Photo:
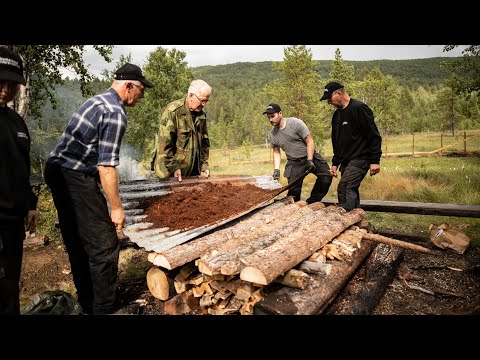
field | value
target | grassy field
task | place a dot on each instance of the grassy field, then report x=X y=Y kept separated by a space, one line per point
x=437 y=179
x=400 y=144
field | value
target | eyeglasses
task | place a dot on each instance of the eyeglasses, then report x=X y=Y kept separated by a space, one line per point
x=142 y=88
x=202 y=101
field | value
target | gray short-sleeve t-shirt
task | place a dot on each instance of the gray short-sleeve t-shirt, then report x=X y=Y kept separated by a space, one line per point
x=291 y=139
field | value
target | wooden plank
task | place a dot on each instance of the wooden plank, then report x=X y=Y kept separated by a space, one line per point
x=403 y=207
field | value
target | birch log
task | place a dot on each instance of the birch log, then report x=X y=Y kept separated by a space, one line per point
x=263 y=266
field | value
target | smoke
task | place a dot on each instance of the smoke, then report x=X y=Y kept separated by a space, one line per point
x=129 y=168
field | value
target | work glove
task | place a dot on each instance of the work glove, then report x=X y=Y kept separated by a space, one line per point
x=311 y=166
x=276 y=174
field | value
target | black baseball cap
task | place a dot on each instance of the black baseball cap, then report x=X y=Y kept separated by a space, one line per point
x=132 y=72
x=11 y=66
x=329 y=89
x=272 y=108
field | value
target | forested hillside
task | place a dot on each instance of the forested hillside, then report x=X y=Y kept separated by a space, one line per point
x=412 y=73
x=405 y=95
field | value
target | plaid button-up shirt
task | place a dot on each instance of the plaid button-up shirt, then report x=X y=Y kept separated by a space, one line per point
x=93 y=135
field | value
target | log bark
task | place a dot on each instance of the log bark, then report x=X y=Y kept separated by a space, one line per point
x=263 y=266
x=398 y=243
x=361 y=296
x=227 y=259
x=157 y=283
x=184 y=253
x=320 y=291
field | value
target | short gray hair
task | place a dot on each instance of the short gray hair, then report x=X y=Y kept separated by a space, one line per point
x=196 y=86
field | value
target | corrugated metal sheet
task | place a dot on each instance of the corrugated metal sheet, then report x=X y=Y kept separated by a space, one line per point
x=160 y=239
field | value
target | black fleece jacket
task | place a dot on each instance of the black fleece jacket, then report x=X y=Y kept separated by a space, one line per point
x=355 y=135
x=16 y=194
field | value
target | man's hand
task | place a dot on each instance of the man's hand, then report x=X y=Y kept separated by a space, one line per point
x=333 y=171
x=178 y=174
x=311 y=166
x=31 y=221
x=276 y=174
x=374 y=169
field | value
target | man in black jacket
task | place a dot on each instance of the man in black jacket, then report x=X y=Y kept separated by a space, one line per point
x=17 y=200
x=357 y=144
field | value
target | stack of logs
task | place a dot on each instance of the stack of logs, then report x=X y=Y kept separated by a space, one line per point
x=229 y=270
x=232 y=265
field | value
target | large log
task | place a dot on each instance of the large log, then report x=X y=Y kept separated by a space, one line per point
x=184 y=253
x=361 y=296
x=321 y=289
x=157 y=283
x=227 y=259
x=263 y=266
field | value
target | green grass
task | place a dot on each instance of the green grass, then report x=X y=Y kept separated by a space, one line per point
x=454 y=180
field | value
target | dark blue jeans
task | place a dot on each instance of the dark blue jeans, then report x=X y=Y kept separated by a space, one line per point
x=352 y=176
x=89 y=236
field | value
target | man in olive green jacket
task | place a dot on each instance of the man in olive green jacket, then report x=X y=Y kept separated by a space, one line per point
x=183 y=147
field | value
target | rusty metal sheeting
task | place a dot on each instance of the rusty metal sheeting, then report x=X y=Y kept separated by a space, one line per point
x=161 y=239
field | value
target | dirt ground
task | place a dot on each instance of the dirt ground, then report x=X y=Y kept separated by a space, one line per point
x=46 y=267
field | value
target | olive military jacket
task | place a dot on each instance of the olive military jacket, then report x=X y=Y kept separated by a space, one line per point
x=180 y=140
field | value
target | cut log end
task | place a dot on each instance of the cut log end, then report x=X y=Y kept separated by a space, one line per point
x=157 y=283
x=253 y=275
x=162 y=261
x=204 y=269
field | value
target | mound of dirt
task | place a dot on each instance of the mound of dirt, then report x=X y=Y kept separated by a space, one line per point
x=203 y=204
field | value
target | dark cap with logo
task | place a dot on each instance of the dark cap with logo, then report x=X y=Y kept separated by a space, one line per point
x=329 y=89
x=11 y=66
x=272 y=108
x=132 y=72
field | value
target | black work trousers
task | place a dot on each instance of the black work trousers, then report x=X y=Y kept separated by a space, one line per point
x=89 y=236
x=348 y=187
x=11 y=252
x=295 y=168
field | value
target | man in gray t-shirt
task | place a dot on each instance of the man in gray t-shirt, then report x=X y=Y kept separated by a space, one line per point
x=293 y=137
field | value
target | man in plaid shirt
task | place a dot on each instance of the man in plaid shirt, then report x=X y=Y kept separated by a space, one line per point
x=87 y=154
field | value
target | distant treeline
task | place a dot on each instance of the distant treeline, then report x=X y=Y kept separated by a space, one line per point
x=410 y=73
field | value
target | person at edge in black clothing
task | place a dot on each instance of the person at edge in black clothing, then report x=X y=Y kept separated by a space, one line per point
x=17 y=199
x=357 y=144
x=293 y=136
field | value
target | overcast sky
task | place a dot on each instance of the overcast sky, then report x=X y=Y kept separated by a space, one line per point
x=199 y=55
